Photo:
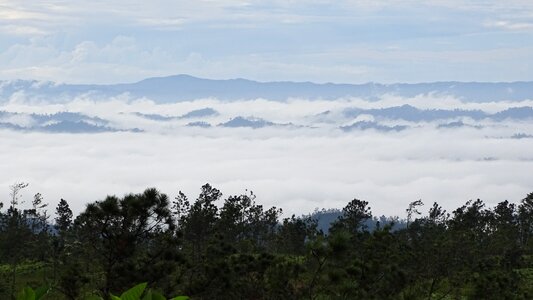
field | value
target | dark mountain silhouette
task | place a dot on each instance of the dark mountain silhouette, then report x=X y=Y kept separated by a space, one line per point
x=525 y=112
x=200 y=113
x=364 y=125
x=155 y=117
x=184 y=87
x=4 y=125
x=247 y=122
x=457 y=124
x=75 y=127
x=199 y=124
x=409 y=113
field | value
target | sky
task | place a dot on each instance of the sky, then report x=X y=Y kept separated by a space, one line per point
x=106 y=42
x=103 y=41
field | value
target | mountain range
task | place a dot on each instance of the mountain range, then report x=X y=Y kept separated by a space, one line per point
x=178 y=88
x=347 y=119
x=184 y=87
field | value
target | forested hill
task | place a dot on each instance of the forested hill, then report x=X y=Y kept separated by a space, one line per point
x=184 y=87
x=217 y=247
x=325 y=218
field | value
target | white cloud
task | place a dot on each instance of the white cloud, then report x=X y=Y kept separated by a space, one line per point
x=296 y=169
x=22 y=30
x=295 y=173
x=509 y=25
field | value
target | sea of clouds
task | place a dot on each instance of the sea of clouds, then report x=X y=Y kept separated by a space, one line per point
x=304 y=162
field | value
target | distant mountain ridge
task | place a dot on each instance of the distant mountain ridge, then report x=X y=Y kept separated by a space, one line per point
x=184 y=87
x=389 y=119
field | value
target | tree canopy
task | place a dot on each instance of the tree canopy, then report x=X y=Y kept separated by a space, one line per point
x=232 y=247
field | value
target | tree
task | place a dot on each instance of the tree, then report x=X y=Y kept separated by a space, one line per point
x=16 y=233
x=504 y=230
x=131 y=238
x=525 y=219
x=199 y=224
x=293 y=233
x=425 y=252
x=413 y=210
x=63 y=216
x=353 y=216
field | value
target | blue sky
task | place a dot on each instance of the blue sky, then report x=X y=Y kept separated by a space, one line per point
x=322 y=41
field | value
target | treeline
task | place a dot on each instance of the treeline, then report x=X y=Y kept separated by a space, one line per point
x=234 y=248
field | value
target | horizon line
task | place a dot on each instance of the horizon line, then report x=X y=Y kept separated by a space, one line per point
x=271 y=81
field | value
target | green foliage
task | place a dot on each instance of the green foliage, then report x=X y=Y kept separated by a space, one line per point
x=153 y=296
x=131 y=238
x=28 y=293
x=137 y=292
x=64 y=216
x=134 y=293
x=234 y=248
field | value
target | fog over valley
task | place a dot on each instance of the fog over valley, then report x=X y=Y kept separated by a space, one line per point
x=297 y=153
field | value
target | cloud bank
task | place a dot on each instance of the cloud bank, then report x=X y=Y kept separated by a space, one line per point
x=310 y=164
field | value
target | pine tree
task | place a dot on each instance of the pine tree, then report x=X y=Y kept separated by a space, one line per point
x=64 y=216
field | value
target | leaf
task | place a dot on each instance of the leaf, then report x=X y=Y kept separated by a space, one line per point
x=27 y=293
x=180 y=298
x=134 y=293
x=41 y=291
x=152 y=295
x=157 y=296
x=113 y=297
x=148 y=295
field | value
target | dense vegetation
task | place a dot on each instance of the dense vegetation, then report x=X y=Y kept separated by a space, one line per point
x=234 y=248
